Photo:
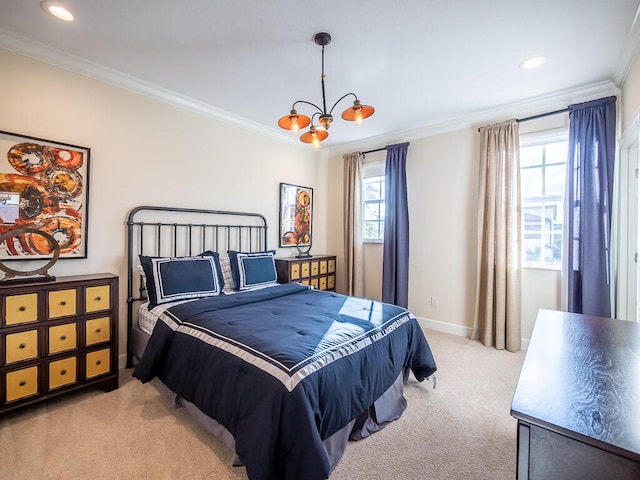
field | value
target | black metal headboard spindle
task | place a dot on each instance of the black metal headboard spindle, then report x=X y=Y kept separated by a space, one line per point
x=150 y=229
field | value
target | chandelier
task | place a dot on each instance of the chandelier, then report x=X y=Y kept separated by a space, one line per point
x=296 y=121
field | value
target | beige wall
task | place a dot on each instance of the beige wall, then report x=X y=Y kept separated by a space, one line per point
x=147 y=152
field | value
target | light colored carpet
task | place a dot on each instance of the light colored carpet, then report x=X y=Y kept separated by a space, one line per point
x=460 y=430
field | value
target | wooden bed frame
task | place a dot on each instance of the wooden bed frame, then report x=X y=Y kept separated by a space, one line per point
x=174 y=231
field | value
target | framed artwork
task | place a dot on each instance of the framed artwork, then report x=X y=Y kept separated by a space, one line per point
x=296 y=213
x=44 y=187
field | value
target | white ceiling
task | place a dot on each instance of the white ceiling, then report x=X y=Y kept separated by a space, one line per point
x=420 y=63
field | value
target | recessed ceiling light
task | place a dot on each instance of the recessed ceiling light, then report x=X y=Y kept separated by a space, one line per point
x=57 y=10
x=533 y=62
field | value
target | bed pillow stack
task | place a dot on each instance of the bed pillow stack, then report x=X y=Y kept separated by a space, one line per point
x=169 y=279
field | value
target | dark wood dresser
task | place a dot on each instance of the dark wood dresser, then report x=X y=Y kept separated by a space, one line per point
x=57 y=336
x=578 y=399
x=319 y=271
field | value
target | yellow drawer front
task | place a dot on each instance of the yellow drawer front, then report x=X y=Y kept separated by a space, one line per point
x=305 y=282
x=314 y=268
x=331 y=282
x=62 y=337
x=62 y=372
x=98 y=330
x=97 y=298
x=305 y=269
x=314 y=282
x=323 y=283
x=332 y=266
x=323 y=266
x=62 y=303
x=21 y=308
x=22 y=346
x=98 y=362
x=22 y=383
x=295 y=271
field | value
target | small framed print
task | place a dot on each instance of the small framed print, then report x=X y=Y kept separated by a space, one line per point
x=44 y=186
x=296 y=214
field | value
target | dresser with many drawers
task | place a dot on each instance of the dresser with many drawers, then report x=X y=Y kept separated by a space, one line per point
x=318 y=271
x=57 y=336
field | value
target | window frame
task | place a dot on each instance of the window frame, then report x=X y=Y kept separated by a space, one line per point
x=544 y=137
x=381 y=202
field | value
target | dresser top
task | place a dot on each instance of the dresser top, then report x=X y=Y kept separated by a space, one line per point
x=30 y=282
x=581 y=378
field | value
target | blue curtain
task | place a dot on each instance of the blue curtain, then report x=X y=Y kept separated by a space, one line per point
x=395 y=263
x=589 y=190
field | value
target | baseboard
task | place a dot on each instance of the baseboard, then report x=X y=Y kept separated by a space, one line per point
x=458 y=330
x=444 y=327
x=122 y=361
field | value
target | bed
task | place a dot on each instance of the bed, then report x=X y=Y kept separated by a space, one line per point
x=285 y=374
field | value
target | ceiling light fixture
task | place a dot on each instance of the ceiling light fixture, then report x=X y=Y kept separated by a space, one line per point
x=57 y=10
x=296 y=121
x=533 y=62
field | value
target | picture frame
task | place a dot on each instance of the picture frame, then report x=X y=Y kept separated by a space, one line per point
x=296 y=216
x=44 y=187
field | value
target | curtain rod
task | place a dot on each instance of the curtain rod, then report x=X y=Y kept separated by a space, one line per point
x=374 y=150
x=542 y=115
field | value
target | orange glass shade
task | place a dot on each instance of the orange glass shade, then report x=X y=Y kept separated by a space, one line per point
x=314 y=136
x=288 y=121
x=358 y=112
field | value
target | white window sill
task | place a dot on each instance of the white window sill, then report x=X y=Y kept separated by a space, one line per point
x=542 y=266
x=373 y=241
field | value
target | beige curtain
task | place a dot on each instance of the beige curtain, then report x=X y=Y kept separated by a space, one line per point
x=497 y=314
x=353 y=224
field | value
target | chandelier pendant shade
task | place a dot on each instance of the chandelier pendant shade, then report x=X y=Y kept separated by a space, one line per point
x=295 y=121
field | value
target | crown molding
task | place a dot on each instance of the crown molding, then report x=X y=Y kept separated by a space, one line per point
x=57 y=58
x=535 y=106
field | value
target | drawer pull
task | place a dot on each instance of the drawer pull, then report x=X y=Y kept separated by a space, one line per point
x=22 y=308
x=63 y=303
x=63 y=372
x=98 y=330
x=63 y=337
x=22 y=346
x=98 y=299
x=22 y=383
x=98 y=362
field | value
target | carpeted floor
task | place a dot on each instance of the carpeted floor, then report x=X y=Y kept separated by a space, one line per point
x=460 y=430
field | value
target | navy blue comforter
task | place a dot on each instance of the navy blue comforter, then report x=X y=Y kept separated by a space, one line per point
x=284 y=368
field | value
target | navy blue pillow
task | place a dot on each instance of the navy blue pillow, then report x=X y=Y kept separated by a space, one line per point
x=253 y=270
x=169 y=279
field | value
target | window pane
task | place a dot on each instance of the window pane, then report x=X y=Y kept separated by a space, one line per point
x=371 y=230
x=372 y=191
x=371 y=211
x=531 y=182
x=555 y=178
x=530 y=155
x=532 y=219
x=532 y=250
x=556 y=152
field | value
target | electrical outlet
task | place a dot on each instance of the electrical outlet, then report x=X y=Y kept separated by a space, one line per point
x=434 y=301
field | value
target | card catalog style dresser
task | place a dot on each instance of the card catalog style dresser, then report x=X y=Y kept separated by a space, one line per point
x=57 y=336
x=318 y=271
x=578 y=399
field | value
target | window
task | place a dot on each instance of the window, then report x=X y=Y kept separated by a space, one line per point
x=542 y=170
x=373 y=209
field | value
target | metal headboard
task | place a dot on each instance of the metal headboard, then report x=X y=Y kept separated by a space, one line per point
x=175 y=232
